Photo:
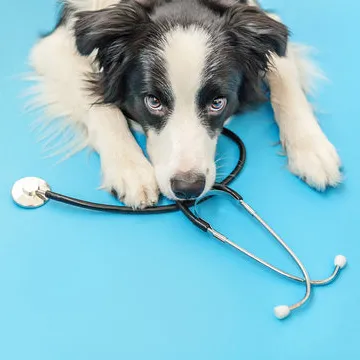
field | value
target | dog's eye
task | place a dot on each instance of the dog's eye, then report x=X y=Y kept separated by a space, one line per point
x=153 y=103
x=218 y=105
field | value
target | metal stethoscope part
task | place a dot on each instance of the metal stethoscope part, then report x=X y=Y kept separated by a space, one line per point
x=30 y=192
x=281 y=311
x=34 y=192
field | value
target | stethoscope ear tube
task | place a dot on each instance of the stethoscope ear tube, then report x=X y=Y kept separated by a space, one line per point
x=224 y=188
x=197 y=221
x=282 y=311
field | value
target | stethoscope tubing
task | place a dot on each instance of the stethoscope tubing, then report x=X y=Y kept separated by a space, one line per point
x=280 y=311
x=159 y=209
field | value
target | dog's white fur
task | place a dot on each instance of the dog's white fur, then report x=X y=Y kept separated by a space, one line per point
x=60 y=71
x=183 y=145
x=61 y=89
x=311 y=155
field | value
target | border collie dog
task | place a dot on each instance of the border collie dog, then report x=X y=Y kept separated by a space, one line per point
x=178 y=70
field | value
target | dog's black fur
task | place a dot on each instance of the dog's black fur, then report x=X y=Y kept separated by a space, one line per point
x=180 y=69
x=128 y=37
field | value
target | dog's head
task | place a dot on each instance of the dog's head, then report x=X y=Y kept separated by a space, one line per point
x=180 y=69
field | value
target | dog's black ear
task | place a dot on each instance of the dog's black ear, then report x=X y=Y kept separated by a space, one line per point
x=255 y=35
x=221 y=6
x=117 y=33
x=98 y=29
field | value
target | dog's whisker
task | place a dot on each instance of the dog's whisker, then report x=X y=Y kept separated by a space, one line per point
x=225 y=158
x=220 y=167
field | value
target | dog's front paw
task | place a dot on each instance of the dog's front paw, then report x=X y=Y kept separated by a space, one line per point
x=315 y=160
x=132 y=181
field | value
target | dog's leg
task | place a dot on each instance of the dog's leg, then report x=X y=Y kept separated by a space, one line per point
x=62 y=91
x=310 y=154
x=124 y=166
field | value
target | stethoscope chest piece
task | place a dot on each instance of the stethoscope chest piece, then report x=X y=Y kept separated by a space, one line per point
x=29 y=192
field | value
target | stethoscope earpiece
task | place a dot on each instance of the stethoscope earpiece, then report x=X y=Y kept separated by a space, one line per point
x=282 y=311
x=340 y=261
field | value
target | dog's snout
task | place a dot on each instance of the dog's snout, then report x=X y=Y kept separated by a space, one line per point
x=188 y=185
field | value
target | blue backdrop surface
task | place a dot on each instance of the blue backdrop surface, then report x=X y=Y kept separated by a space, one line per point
x=82 y=285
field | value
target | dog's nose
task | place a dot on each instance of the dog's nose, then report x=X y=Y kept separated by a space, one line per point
x=188 y=185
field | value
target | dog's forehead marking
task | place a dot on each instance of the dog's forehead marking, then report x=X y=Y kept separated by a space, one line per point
x=185 y=54
x=184 y=144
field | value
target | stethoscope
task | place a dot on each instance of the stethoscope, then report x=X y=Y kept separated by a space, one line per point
x=33 y=192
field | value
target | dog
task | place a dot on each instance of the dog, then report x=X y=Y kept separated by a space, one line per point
x=178 y=70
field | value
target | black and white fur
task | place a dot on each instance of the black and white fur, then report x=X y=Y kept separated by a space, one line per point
x=105 y=57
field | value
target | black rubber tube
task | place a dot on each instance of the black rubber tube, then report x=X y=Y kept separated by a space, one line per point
x=183 y=206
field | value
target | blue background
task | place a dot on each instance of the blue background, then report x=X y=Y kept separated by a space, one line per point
x=81 y=285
